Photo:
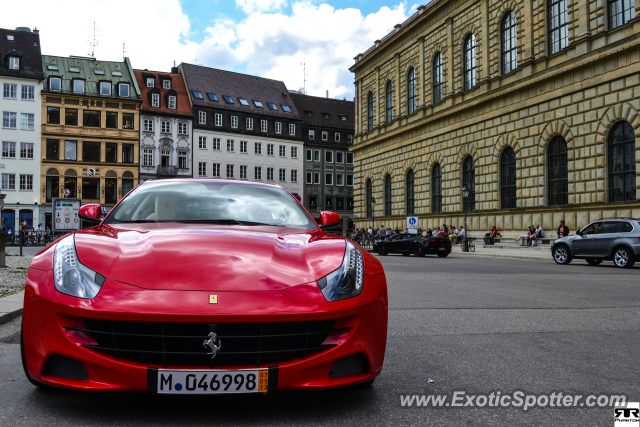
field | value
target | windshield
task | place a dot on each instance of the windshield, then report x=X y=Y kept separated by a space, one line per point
x=211 y=202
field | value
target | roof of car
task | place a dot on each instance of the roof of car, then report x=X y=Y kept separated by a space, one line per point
x=228 y=181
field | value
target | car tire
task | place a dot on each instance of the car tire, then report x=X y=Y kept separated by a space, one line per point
x=24 y=364
x=594 y=261
x=443 y=255
x=561 y=255
x=623 y=258
x=418 y=251
x=405 y=254
x=383 y=251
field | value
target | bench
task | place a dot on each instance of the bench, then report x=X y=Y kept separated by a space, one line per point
x=523 y=240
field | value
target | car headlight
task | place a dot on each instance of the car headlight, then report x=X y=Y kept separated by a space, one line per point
x=346 y=281
x=70 y=277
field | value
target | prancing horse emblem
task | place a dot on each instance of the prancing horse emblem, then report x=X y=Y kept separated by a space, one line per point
x=213 y=344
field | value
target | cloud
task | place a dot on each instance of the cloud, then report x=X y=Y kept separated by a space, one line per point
x=250 y=6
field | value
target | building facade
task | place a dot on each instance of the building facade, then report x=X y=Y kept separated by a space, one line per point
x=245 y=128
x=533 y=106
x=166 y=122
x=90 y=130
x=327 y=133
x=21 y=82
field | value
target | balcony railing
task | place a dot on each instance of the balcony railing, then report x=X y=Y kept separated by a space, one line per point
x=170 y=170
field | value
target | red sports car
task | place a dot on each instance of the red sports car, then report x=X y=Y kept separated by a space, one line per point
x=204 y=286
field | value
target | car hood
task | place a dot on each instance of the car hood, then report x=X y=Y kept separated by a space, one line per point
x=209 y=257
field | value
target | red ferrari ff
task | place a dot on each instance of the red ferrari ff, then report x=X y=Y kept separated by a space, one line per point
x=193 y=286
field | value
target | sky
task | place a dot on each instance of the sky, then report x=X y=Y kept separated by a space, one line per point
x=268 y=38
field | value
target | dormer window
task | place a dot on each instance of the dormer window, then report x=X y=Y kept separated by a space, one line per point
x=343 y=117
x=172 y=102
x=105 y=88
x=14 y=63
x=78 y=86
x=155 y=100
x=166 y=84
x=123 y=89
x=151 y=82
x=55 y=84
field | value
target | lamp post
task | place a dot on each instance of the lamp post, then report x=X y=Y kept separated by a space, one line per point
x=2 y=237
x=373 y=214
x=465 y=243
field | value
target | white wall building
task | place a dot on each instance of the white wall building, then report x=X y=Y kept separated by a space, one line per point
x=21 y=79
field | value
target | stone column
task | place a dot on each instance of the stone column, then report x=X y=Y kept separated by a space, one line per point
x=357 y=109
x=583 y=28
x=528 y=55
x=423 y=73
x=449 y=75
x=484 y=10
x=376 y=104
x=398 y=91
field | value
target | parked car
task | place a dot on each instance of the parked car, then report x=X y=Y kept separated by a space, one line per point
x=417 y=245
x=616 y=240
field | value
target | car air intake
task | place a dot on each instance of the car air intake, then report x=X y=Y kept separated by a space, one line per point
x=65 y=367
x=181 y=344
x=350 y=365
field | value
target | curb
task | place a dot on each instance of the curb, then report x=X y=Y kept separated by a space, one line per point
x=14 y=309
x=7 y=317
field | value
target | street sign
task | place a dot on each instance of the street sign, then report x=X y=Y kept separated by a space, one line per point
x=412 y=224
x=65 y=214
x=66 y=192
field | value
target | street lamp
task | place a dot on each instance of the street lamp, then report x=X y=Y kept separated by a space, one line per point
x=373 y=214
x=465 y=194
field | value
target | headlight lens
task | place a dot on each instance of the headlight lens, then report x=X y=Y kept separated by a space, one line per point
x=70 y=276
x=346 y=281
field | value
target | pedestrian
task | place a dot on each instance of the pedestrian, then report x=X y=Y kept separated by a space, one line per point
x=445 y=229
x=382 y=232
x=47 y=236
x=563 y=230
x=39 y=233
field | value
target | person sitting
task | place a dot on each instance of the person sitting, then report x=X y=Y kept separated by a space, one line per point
x=489 y=237
x=429 y=232
x=453 y=233
x=539 y=232
x=461 y=235
x=530 y=234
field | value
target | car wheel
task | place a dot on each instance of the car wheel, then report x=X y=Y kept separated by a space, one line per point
x=418 y=251
x=443 y=255
x=593 y=261
x=383 y=251
x=405 y=254
x=24 y=364
x=622 y=258
x=561 y=255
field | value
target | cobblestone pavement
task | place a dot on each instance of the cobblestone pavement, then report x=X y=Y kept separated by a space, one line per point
x=14 y=277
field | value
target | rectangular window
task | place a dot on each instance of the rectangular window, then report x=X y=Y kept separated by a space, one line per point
x=349 y=203
x=313 y=203
x=340 y=179
x=147 y=125
x=249 y=123
x=10 y=91
x=71 y=116
x=52 y=188
x=282 y=175
x=28 y=93
x=182 y=160
x=127 y=185
x=294 y=175
x=258 y=148
x=78 y=86
x=111 y=152
x=263 y=125
x=269 y=149
x=349 y=158
x=27 y=121
x=202 y=169
x=269 y=174
x=112 y=119
x=14 y=63
x=53 y=145
x=234 y=122
x=316 y=155
x=165 y=126
x=243 y=172
x=230 y=145
x=328 y=204
x=316 y=178
x=91 y=152
x=155 y=100
x=147 y=157
x=244 y=147
x=337 y=136
x=182 y=128
x=325 y=135
x=349 y=138
x=91 y=188
x=127 y=153
x=339 y=203
x=8 y=150
x=202 y=142
x=202 y=117
x=8 y=181
x=339 y=157
x=91 y=118
x=151 y=82
x=309 y=155
x=328 y=156
x=230 y=171
x=620 y=12
x=558 y=25
x=166 y=84
x=70 y=150
x=294 y=152
x=127 y=121
x=9 y=120
x=105 y=88
x=283 y=151
x=53 y=115
x=216 y=144
x=349 y=180
x=123 y=90
x=55 y=84
x=110 y=193
x=328 y=179
x=292 y=129
x=309 y=178
x=218 y=119
x=278 y=127
x=258 y=173
x=312 y=134
x=216 y=170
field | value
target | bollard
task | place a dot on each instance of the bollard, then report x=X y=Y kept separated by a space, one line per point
x=2 y=249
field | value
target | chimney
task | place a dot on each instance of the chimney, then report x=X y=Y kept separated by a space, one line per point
x=327 y=93
x=174 y=69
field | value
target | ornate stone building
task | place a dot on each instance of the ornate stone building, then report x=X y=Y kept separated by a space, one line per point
x=533 y=105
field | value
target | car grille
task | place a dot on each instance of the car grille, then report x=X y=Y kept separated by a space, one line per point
x=181 y=344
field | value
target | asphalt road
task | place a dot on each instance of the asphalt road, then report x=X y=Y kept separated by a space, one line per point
x=466 y=322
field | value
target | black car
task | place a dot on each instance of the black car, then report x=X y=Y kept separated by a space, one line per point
x=417 y=245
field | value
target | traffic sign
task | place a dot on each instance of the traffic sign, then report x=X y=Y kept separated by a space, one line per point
x=65 y=211
x=67 y=192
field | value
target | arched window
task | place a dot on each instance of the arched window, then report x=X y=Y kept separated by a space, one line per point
x=436 y=189
x=622 y=163
x=369 y=199
x=387 y=195
x=410 y=193
x=558 y=192
x=437 y=78
x=370 y=112
x=469 y=179
x=470 y=62
x=508 y=179
x=411 y=91
x=389 y=102
x=558 y=25
x=509 y=43
x=620 y=12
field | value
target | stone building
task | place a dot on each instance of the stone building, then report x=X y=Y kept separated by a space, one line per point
x=90 y=130
x=533 y=105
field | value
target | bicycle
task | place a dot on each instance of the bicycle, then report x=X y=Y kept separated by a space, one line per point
x=470 y=245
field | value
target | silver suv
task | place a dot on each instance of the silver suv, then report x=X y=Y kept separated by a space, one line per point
x=616 y=240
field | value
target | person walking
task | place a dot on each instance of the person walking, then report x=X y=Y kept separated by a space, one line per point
x=382 y=233
x=39 y=233
x=563 y=230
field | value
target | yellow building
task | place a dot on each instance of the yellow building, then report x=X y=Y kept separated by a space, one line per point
x=533 y=105
x=90 y=130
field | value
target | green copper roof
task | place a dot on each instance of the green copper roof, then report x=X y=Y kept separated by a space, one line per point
x=92 y=71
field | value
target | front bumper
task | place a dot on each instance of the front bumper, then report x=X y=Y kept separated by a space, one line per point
x=47 y=312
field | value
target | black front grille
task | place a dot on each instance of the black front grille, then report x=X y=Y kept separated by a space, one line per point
x=171 y=344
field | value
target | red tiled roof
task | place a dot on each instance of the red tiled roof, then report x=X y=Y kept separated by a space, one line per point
x=177 y=85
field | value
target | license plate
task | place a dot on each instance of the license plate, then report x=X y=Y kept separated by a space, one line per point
x=442 y=249
x=208 y=381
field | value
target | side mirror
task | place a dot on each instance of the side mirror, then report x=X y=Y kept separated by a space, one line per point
x=328 y=219
x=90 y=213
x=579 y=232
